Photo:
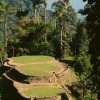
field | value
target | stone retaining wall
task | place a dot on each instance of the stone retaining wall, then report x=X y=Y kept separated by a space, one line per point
x=48 y=98
x=62 y=96
x=41 y=79
x=20 y=77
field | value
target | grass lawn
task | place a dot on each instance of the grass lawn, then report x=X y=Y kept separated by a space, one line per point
x=37 y=69
x=43 y=91
x=30 y=59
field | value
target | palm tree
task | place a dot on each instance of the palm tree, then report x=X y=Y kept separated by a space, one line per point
x=45 y=5
x=5 y=9
x=36 y=5
x=60 y=14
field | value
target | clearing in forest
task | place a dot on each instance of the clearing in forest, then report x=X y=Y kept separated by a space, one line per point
x=31 y=59
x=43 y=91
x=37 y=69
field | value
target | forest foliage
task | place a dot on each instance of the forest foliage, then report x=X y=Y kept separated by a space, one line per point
x=28 y=28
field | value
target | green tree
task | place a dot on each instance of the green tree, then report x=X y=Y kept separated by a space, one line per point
x=82 y=43
x=82 y=64
x=94 y=43
x=60 y=8
x=5 y=9
x=3 y=55
x=45 y=5
x=93 y=24
x=81 y=39
x=36 y=5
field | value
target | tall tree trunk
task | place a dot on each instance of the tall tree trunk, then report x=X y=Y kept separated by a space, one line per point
x=35 y=14
x=65 y=48
x=38 y=16
x=13 y=51
x=83 y=94
x=5 y=33
x=98 y=94
x=55 y=23
x=1 y=60
x=61 y=42
x=45 y=24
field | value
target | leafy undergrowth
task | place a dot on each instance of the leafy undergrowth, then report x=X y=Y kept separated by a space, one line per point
x=71 y=81
x=77 y=93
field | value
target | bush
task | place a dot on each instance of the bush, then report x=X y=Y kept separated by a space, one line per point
x=3 y=55
x=45 y=48
x=22 y=51
x=82 y=64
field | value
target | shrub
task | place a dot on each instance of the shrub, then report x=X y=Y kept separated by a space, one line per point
x=46 y=48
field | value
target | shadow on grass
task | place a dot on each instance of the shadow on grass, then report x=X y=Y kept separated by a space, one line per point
x=15 y=75
x=7 y=91
x=3 y=69
x=64 y=96
x=73 y=92
x=68 y=62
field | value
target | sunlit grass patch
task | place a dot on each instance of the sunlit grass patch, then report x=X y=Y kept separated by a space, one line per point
x=43 y=91
x=32 y=59
x=37 y=69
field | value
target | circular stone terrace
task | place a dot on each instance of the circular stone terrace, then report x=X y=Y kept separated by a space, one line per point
x=40 y=91
x=43 y=91
x=37 y=69
x=38 y=66
x=29 y=60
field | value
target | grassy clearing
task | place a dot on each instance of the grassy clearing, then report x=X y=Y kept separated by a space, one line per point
x=37 y=69
x=32 y=59
x=43 y=91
